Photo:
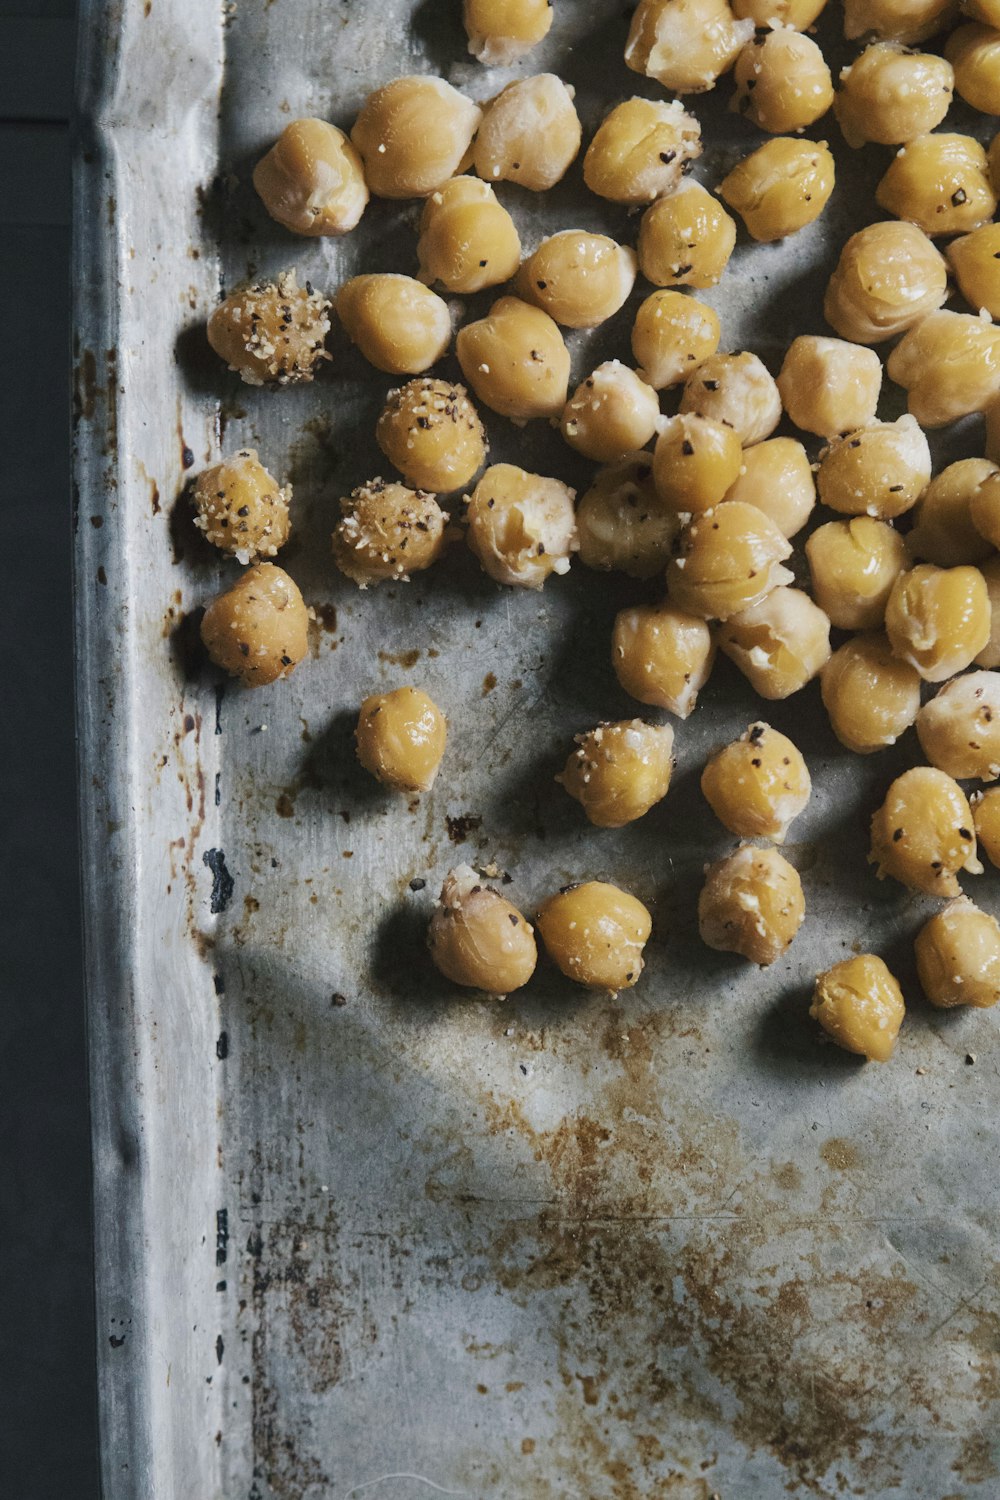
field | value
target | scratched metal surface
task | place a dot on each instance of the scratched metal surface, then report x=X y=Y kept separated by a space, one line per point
x=357 y=1233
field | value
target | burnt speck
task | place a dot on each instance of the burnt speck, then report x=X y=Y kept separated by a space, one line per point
x=222 y=1046
x=221 y=1236
x=220 y=1349
x=460 y=828
x=417 y=884
x=223 y=884
x=219 y=982
x=338 y=1000
x=116 y=1341
x=187 y=457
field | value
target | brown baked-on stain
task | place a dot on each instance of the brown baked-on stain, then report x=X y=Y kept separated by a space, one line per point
x=839 y=1154
x=459 y=828
x=489 y=683
x=326 y=617
x=284 y=806
x=788 y=1176
x=400 y=658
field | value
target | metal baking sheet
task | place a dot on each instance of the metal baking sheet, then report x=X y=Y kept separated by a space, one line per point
x=359 y=1234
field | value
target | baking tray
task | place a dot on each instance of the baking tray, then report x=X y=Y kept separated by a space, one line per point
x=359 y=1234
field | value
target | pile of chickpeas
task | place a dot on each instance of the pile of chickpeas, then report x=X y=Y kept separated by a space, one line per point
x=706 y=494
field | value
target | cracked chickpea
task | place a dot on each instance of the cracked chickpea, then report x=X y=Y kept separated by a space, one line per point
x=685 y=238
x=400 y=326
x=779 y=644
x=730 y=558
x=467 y=238
x=989 y=656
x=611 y=413
x=879 y=471
x=413 y=134
x=922 y=835
x=975 y=262
x=959 y=728
x=890 y=96
x=400 y=738
x=516 y=361
x=622 y=525
x=958 y=956
x=579 y=279
x=640 y=150
x=595 y=934
x=939 y=181
x=738 y=391
x=695 y=462
x=974 y=52
x=478 y=939
x=949 y=366
x=870 y=696
x=938 y=619
x=859 y=1005
x=853 y=566
x=502 y=31
x=776 y=477
x=521 y=526
x=906 y=21
x=751 y=904
x=684 y=44
x=986 y=814
x=888 y=277
x=758 y=785
x=312 y=180
x=662 y=656
x=829 y=386
x=273 y=332
x=673 y=335
x=430 y=431
x=387 y=531
x=258 y=629
x=944 y=530
x=781 y=187
x=529 y=134
x=782 y=82
x=240 y=508
x=619 y=771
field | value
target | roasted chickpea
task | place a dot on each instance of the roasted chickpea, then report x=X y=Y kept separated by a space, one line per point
x=974 y=52
x=695 y=463
x=516 y=361
x=990 y=654
x=938 y=619
x=595 y=934
x=829 y=386
x=622 y=523
x=980 y=480
x=501 y=31
x=993 y=163
x=991 y=412
x=860 y=1005
x=959 y=728
x=610 y=414
x=684 y=44
x=891 y=96
x=777 y=478
x=922 y=835
x=387 y=531
x=400 y=738
x=940 y=182
x=906 y=21
x=662 y=656
x=685 y=238
x=958 y=956
x=271 y=333
x=949 y=366
x=241 y=508
x=399 y=325
x=431 y=432
x=413 y=134
x=782 y=82
x=975 y=262
x=880 y=470
x=640 y=150
x=853 y=566
x=730 y=558
x=779 y=643
x=986 y=812
x=529 y=134
x=257 y=630
x=945 y=532
x=781 y=187
x=738 y=391
x=619 y=771
x=672 y=335
x=579 y=279
x=312 y=180
x=467 y=238
x=987 y=11
x=478 y=939
x=751 y=904
x=889 y=276
x=799 y=14
x=871 y=696
x=521 y=526
x=758 y=785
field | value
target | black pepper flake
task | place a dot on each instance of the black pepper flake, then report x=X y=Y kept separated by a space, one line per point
x=756 y=761
x=512 y=919
x=958 y=197
x=424 y=422
x=855 y=442
x=964 y=833
x=535 y=354
x=540 y=549
x=286 y=661
x=683 y=270
x=897 y=835
x=756 y=734
x=484 y=262
x=935 y=864
x=667 y=157
x=244 y=649
x=541 y=285
x=244 y=510
x=710 y=385
x=417 y=884
x=687 y=448
x=894 y=489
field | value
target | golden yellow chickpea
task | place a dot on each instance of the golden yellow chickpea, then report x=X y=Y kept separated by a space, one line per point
x=501 y=31
x=829 y=386
x=980 y=481
x=751 y=904
x=782 y=82
x=730 y=558
x=478 y=939
x=758 y=785
x=431 y=432
x=993 y=163
x=516 y=361
x=949 y=366
x=891 y=96
x=889 y=276
x=781 y=187
x=987 y=11
x=959 y=728
x=399 y=325
x=621 y=522
x=880 y=470
x=241 y=508
x=853 y=566
x=271 y=333
x=521 y=526
x=940 y=182
x=684 y=44
x=938 y=619
x=799 y=14
x=579 y=279
x=662 y=656
x=991 y=413
x=958 y=956
x=779 y=644
x=738 y=391
x=413 y=134
x=595 y=934
x=922 y=835
x=685 y=238
x=257 y=630
x=400 y=738
x=986 y=812
x=672 y=335
x=610 y=414
x=695 y=463
x=974 y=52
x=387 y=531
x=640 y=150
x=859 y=1004
x=467 y=238
x=975 y=263
x=871 y=697
x=990 y=654
x=777 y=478
x=619 y=771
x=529 y=134
x=906 y=21
x=944 y=531
x=312 y=180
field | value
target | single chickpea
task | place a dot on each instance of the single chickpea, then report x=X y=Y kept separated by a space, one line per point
x=478 y=939
x=987 y=11
x=529 y=134
x=684 y=44
x=945 y=531
x=595 y=934
x=467 y=238
x=621 y=522
x=958 y=956
x=257 y=630
x=799 y=14
x=860 y=1006
x=871 y=697
x=959 y=728
x=780 y=188
x=779 y=644
x=986 y=813
x=271 y=333
x=853 y=566
x=662 y=656
x=431 y=432
x=521 y=526
x=782 y=82
x=751 y=904
x=619 y=771
x=891 y=96
x=610 y=414
x=579 y=279
x=672 y=335
x=516 y=361
x=975 y=264
x=758 y=785
x=983 y=499
x=399 y=325
x=889 y=276
x=940 y=182
x=685 y=238
x=695 y=463
x=949 y=366
x=777 y=478
x=993 y=163
x=880 y=470
x=413 y=134
x=241 y=508
x=991 y=413
x=387 y=531
x=640 y=150
x=974 y=52
x=312 y=180
x=922 y=835
x=730 y=558
x=400 y=738
x=938 y=619
x=738 y=391
x=990 y=654
x=501 y=31
x=905 y=21
x=829 y=386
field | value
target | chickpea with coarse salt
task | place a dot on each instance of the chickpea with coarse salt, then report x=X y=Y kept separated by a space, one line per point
x=958 y=956
x=467 y=238
x=880 y=470
x=273 y=332
x=782 y=82
x=888 y=277
x=400 y=326
x=431 y=432
x=619 y=771
x=758 y=785
x=986 y=813
x=751 y=904
x=777 y=478
x=940 y=182
x=501 y=31
x=672 y=335
x=871 y=697
x=610 y=414
x=387 y=531
x=829 y=386
x=781 y=187
x=890 y=95
x=240 y=508
x=684 y=44
x=975 y=262
x=413 y=134
x=529 y=134
x=906 y=21
x=579 y=279
x=312 y=180
x=779 y=644
x=738 y=391
x=640 y=150
x=984 y=498
x=938 y=619
x=945 y=532
x=400 y=738
x=922 y=835
x=989 y=656
x=685 y=238
x=516 y=361
x=257 y=630
x=662 y=656
x=695 y=463
x=595 y=934
x=621 y=522
x=853 y=565
x=949 y=366
x=478 y=939
x=974 y=52
x=729 y=559
x=859 y=1005
x=959 y=728
x=521 y=526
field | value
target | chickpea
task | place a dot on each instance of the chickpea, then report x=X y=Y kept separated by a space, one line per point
x=945 y=531
x=974 y=52
x=986 y=812
x=413 y=134
x=871 y=696
x=529 y=134
x=949 y=366
x=799 y=14
x=662 y=656
x=938 y=619
x=975 y=263
x=959 y=728
x=640 y=150
x=853 y=566
x=889 y=276
x=829 y=386
x=695 y=463
x=990 y=654
x=779 y=644
x=621 y=522
x=312 y=180
x=516 y=361
x=738 y=391
x=880 y=470
x=521 y=526
x=387 y=531
x=860 y=1005
x=684 y=44
x=751 y=904
x=610 y=414
x=992 y=415
x=958 y=956
x=758 y=785
x=993 y=163
x=579 y=279
x=987 y=11
x=399 y=325
x=891 y=96
x=939 y=181
x=241 y=508
x=780 y=188
x=782 y=82
x=431 y=432
x=257 y=630
x=501 y=31
x=478 y=939
x=400 y=738
x=730 y=558
x=777 y=478
x=271 y=333
x=685 y=238
x=619 y=771
x=595 y=934
x=467 y=238
x=922 y=834
x=672 y=335
x=981 y=486
x=906 y=21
